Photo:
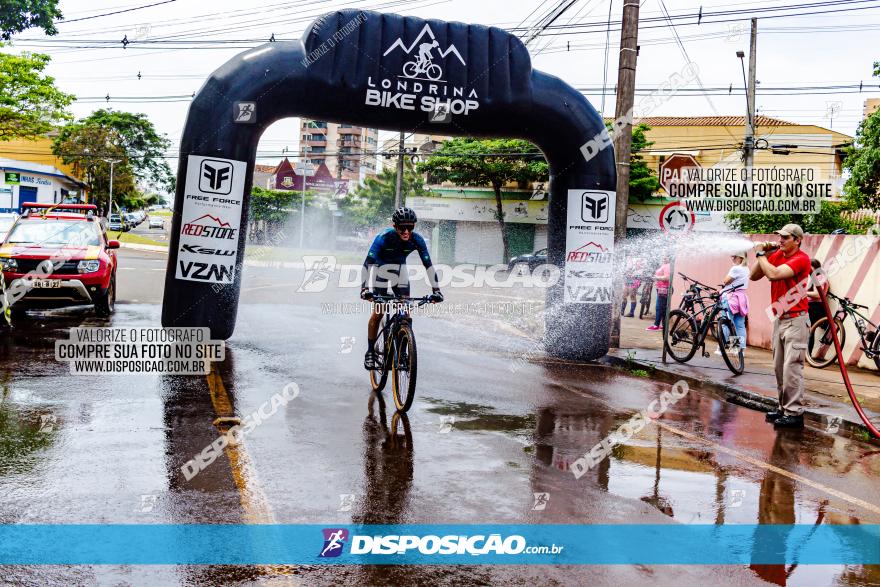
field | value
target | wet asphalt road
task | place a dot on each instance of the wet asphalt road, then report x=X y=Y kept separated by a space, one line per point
x=487 y=431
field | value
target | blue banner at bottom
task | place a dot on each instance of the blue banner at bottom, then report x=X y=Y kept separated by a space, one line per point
x=415 y=544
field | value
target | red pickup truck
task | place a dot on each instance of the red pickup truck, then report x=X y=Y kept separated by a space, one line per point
x=58 y=255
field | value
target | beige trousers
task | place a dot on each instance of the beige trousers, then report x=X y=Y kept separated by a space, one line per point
x=789 y=344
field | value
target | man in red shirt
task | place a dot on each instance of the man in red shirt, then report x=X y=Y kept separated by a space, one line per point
x=788 y=270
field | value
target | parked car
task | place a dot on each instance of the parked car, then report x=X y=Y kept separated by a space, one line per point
x=528 y=261
x=81 y=266
x=131 y=219
x=156 y=223
x=117 y=223
x=6 y=222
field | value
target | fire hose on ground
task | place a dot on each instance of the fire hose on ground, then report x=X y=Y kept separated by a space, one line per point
x=823 y=291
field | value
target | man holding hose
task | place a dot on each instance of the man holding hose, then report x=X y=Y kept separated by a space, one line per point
x=787 y=268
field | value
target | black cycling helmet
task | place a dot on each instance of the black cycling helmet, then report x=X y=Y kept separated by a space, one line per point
x=404 y=216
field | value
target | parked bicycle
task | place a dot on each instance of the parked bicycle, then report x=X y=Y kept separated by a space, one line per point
x=695 y=319
x=820 y=347
x=395 y=349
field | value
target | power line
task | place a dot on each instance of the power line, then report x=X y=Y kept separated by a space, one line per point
x=116 y=12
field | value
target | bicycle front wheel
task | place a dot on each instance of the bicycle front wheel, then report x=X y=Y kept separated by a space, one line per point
x=681 y=336
x=379 y=376
x=403 y=368
x=729 y=344
x=820 y=346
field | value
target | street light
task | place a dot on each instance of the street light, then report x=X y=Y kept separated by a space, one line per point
x=305 y=170
x=112 y=162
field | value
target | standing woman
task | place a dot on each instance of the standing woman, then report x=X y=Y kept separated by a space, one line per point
x=661 y=284
x=735 y=301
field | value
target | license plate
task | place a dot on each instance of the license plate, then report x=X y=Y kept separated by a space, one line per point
x=47 y=283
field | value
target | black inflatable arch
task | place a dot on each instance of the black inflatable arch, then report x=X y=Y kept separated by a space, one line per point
x=348 y=68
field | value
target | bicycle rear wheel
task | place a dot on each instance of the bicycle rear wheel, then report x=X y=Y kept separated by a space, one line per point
x=681 y=336
x=379 y=376
x=403 y=368
x=820 y=346
x=875 y=347
x=729 y=344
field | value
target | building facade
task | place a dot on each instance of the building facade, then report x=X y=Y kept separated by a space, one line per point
x=30 y=172
x=348 y=151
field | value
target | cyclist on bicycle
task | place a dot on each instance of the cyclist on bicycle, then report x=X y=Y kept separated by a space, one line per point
x=388 y=254
x=425 y=52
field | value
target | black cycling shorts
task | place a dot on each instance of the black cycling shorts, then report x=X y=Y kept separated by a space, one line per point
x=400 y=287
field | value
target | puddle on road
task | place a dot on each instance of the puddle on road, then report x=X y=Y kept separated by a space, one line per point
x=478 y=417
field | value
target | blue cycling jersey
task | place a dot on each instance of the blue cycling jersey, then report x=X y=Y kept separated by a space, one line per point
x=389 y=249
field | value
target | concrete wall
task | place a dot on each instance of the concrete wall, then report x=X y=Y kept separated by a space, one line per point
x=857 y=279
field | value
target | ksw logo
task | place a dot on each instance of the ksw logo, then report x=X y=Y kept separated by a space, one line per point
x=209 y=227
x=215 y=177
x=423 y=66
x=210 y=272
x=590 y=293
x=334 y=540
x=594 y=207
x=206 y=251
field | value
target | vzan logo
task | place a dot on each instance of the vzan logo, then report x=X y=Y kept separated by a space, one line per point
x=215 y=177
x=416 y=88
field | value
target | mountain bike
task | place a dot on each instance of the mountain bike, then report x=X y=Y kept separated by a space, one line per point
x=820 y=347
x=395 y=349
x=690 y=324
x=431 y=70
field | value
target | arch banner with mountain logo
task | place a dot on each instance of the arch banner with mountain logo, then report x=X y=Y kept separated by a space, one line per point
x=395 y=73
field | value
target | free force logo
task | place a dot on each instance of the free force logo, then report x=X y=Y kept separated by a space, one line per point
x=215 y=177
x=594 y=207
x=423 y=66
x=334 y=541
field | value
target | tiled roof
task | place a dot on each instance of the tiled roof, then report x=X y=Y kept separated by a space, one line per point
x=712 y=121
x=265 y=168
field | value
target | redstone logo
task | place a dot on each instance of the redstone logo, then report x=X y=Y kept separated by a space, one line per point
x=589 y=253
x=208 y=226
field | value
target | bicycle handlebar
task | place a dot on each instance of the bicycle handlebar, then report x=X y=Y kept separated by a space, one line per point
x=401 y=300
x=695 y=282
x=846 y=301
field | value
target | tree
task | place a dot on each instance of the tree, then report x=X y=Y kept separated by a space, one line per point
x=372 y=204
x=828 y=219
x=131 y=139
x=642 y=182
x=30 y=104
x=862 y=189
x=19 y=15
x=493 y=162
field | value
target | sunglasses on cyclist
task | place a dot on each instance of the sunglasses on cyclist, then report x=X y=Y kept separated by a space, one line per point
x=404 y=227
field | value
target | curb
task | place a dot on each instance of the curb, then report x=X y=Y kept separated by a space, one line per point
x=847 y=428
x=140 y=247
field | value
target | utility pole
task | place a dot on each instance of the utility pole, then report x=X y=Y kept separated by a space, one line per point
x=398 y=193
x=112 y=162
x=749 y=142
x=626 y=83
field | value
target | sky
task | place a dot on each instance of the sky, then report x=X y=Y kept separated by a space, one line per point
x=828 y=49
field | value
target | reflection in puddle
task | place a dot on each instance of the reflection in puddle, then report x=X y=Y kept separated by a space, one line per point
x=693 y=483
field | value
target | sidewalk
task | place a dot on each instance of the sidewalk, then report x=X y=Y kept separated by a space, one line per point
x=825 y=398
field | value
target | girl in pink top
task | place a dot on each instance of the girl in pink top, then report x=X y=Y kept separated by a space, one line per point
x=661 y=284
